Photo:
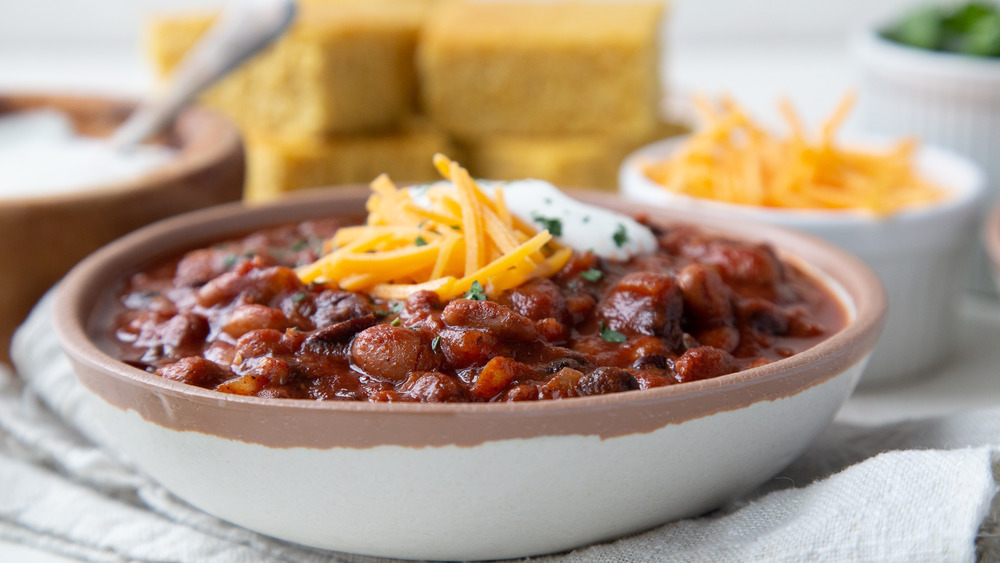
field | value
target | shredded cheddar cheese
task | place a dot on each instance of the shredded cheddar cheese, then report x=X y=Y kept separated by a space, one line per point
x=453 y=236
x=735 y=160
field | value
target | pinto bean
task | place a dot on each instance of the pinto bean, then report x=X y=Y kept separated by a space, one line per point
x=175 y=337
x=199 y=266
x=251 y=316
x=746 y=264
x=706 y=296
x=391 y=353
x=538 y=299
x=334 y=306
x=605 y=380
x=336 y=334
x=466 y=348
x=195 y=371
x=250 y=283
x=704 y=362
x=492 y=317
x=433 y=387
x=644 y=303
x=262 y=342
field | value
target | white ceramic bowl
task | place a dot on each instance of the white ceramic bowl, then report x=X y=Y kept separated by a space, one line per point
x=919 y=254
x=948 y=99
x=462 y=481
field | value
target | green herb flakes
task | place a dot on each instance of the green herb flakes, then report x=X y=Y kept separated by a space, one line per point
x=611 y=335
x=475 y=292
x=552 y=225
x=621 y=236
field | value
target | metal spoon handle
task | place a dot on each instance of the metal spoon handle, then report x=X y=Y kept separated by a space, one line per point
x=243 y=28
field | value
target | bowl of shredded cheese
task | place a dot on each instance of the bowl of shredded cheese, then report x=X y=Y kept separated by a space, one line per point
x=908 y=209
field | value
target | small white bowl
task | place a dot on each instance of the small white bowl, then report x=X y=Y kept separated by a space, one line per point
x=920 y=254
x=948 y=99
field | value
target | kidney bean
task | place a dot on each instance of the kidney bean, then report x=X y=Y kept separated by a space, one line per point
x=644 y=303
x=606 y=380
x=251 y=316
x=391 y=353
x=538 y=299
x=261 y=342
x=466 y=348
x=335 y=306
x=433 y=387
x=489 y=316
x=195 y=371
x=704 y=362
x=250 y=283
x=705 y=294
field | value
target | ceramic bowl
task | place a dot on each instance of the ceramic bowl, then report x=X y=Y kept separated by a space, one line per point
x=948 y=99
x=53 y=232
x=921 y=255
x=461 y=481
x=991 y=241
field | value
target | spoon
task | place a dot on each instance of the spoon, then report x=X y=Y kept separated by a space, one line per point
x=243 y=28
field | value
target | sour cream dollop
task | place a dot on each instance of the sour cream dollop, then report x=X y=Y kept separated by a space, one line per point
x=41 y=154
x=581 y=226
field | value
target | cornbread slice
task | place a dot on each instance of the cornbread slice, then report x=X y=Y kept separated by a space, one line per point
x=542 y=68
x=577 y=161
x=278 y=165
x=345 y=66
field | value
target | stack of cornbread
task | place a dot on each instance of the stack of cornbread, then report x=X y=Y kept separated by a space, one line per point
x=559 y=90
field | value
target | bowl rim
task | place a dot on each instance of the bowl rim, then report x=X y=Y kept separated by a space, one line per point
x=854 y=284
x=871 y=47
x=961 y=197
x=198 y=147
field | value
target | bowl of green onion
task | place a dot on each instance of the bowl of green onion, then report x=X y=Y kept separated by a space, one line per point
x=934 y=73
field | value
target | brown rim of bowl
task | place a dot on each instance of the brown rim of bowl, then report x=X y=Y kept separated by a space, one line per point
x=991 y=237
x=301 y=423
x=198 y=147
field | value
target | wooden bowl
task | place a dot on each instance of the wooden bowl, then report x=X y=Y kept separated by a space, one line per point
x=44 y=236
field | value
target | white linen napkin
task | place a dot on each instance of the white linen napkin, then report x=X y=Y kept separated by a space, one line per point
x=923 y=490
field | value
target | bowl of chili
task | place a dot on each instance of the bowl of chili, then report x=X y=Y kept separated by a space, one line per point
x=425 y=462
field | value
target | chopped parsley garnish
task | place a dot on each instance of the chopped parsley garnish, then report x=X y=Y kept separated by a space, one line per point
x=381 y=314
x=396 y=322
x=300 y=246
x=475 y=292
x=456 y=227
x=420 y=241
x=396 y=307
x=229 y=260
x=620 y=237
x=436 y=343
x=553 y=225
x=592 y=274
x=298 y=297
x=611 y=335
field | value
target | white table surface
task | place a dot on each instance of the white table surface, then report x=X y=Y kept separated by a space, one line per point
x=814 y=77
